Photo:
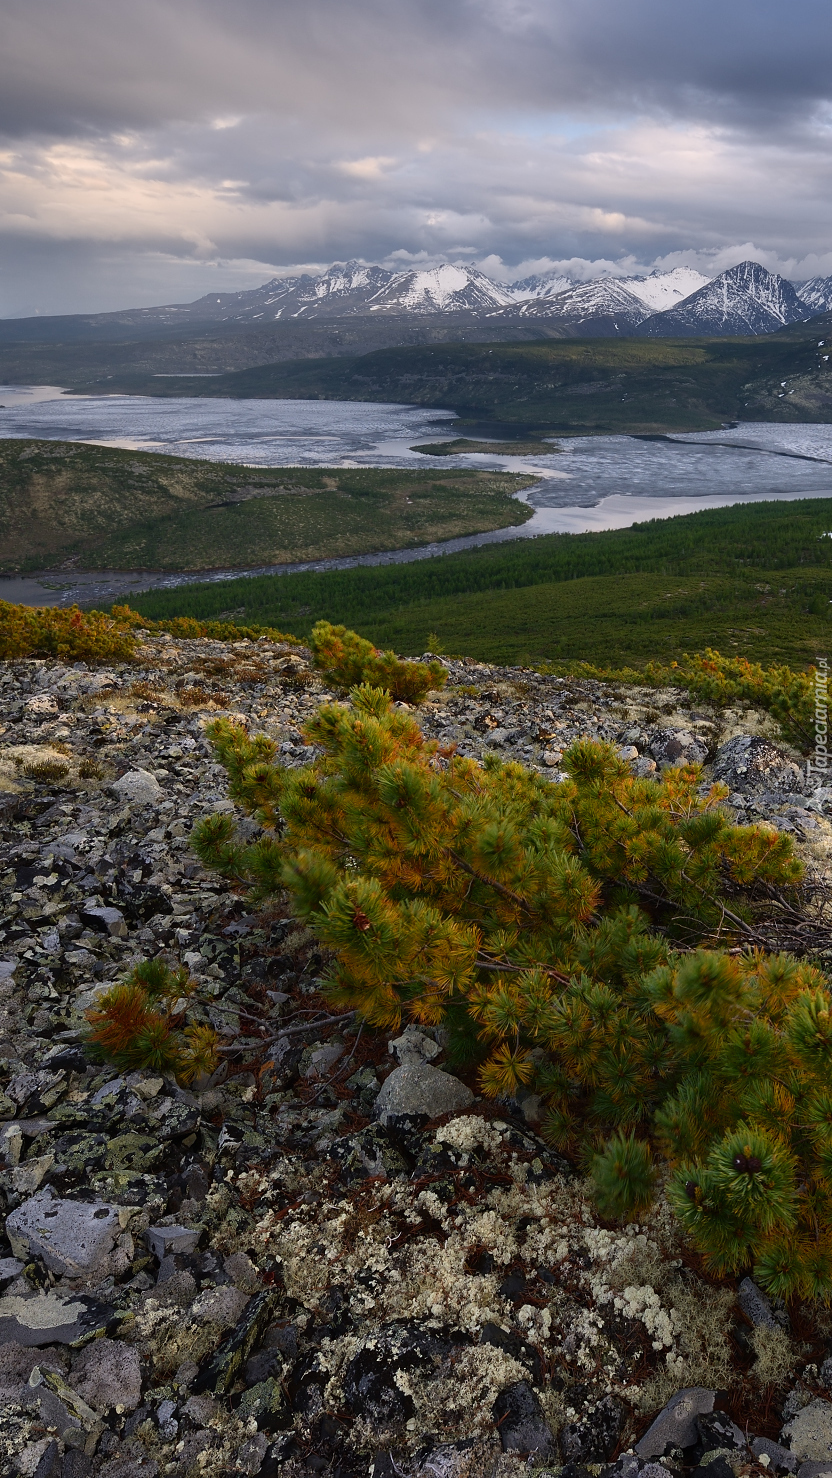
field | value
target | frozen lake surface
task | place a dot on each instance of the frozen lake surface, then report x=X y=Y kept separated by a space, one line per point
x=590 y=483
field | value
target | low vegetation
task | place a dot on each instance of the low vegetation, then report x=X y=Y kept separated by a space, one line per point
x=347 y=660
x=462 y=446
x=140 y=1023
x=567 y=385
x=68 y=633
x=64 y=504
x=601 y=941
x=752 y=581
x=95 y=636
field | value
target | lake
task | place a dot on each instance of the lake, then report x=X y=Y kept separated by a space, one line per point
x=587 y=482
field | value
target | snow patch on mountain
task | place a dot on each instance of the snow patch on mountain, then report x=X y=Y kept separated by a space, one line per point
x=662 y=290
x=446 y=289
x=817 y=293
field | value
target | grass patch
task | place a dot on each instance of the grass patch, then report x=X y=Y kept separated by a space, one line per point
x=64 y=504
x=754 y=580
x=462 y=446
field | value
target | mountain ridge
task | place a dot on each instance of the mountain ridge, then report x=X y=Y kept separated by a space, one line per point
x=744 y=299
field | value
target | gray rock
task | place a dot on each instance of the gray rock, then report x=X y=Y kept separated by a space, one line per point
x=779 y=1457
x=816 y=1469
x=643 y=767
x=677 y=747
x=675 y=1425
x=757 y=1307
x=417 y=1092
x=138 y=787
x=10 y=1268
x=222 y=1370
x=58 y=1405
x=755 y=1304
x=748 y=764
x=323 y=1059
x=593 y=1438
x=242 y=1272
x=72 y=1237
x=521 y=1423
x=825 y=1372
x=630 y=1466
x=51 y=1464
x=164 y=1241
x=107 y=1375
x=809 y=1433
x=222 y=1306
x=414 y=1046
x=104 y=920
x=52 y=1318
x=719 y=1434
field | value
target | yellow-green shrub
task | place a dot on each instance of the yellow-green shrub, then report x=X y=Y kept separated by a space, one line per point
x=63 y=632
x=558 y=929
x=347 y=660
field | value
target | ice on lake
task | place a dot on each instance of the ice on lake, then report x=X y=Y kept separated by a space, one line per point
x=587 y=482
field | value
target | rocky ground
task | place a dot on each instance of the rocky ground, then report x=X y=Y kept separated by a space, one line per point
x=332 y=1257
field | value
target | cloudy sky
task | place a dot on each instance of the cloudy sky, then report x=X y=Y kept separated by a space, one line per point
x=153 y=150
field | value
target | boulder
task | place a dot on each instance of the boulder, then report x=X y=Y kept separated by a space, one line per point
x=749 y=764
x=164 y=1241
x=104 y=920
x=809 y=1433
x=137 y=787
x=675 y=1425
x=107 y=1375
x=672 y=747
x=72 y=1237
x=52 y=1318
x=414 y=1046
x=417 y=1092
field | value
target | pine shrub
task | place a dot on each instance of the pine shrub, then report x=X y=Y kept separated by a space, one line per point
x=347 y=660
x=63 y=632
x=787 y=695
x=140 y=1023
x=573 y=937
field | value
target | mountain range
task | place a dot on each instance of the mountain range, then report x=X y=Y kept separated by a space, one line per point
x=746 y=299
x=460 y=301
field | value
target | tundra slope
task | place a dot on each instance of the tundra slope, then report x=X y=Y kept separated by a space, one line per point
x=322 y=1290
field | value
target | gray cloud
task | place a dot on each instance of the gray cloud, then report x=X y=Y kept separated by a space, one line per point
x=145 y=148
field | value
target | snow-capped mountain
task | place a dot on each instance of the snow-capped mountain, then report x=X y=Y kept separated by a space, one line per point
x=446 y=289
x=747 y=299
x=817 y=293
x=542 y=285
x=354 y=288
x=606 y=306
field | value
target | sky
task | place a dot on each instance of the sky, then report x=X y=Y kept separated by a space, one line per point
x=152 y=151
